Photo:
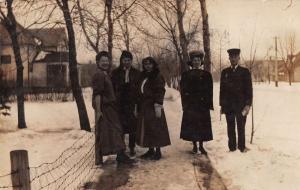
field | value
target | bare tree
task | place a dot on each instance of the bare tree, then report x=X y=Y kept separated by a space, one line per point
x=125 y=32
x=77 y=92
x=206 y=36
x=169 y=16
x=288 y=55
x=9 y=22
x=110 y=30
x=96 y=30
x=181 y=6
x=250 y=65
x=91 y=25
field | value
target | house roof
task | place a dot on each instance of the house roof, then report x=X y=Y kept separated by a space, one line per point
x=50 y=36
x=54 y=57
x=297 y=60
x=25 y=38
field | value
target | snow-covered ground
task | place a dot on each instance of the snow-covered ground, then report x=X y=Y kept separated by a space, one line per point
x=273 y=161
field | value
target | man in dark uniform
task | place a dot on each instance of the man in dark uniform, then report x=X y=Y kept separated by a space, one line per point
x=235 y=99
x=125 y=79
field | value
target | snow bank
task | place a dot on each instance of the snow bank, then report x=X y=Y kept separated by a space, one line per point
x=273 y=161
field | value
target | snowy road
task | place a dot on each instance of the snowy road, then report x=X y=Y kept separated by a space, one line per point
x=178 y=169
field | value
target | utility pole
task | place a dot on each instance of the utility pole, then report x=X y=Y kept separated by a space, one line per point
x=269 y=78
x=220 y=56
x=276 y=63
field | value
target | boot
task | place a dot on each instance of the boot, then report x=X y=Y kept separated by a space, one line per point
x=122 y=158
x=195 y=149
x=148 y=154
x=201 y=148
x=132 y=152
x=157 y=154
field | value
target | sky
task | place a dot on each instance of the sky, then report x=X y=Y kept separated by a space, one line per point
x=247 y=20
x=260 y=20
x=243 y=21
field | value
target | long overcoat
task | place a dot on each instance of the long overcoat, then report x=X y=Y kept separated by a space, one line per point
x=235 y=89
x=151 y=130
x=108 y=127
x=125 y=95
x=196 y=87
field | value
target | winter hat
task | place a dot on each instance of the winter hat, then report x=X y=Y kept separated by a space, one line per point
x=233 y=52
x=194 y=54
x=126 y=54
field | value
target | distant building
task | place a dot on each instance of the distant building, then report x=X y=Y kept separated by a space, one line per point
x=297 y=68
x=264 y=70
x=44 y=55
x=86 y=73
x=52 y=71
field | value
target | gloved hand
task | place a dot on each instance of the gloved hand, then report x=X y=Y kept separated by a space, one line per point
x=221 y=110
x=158 y=109
x=246 y=110
x=98 y=115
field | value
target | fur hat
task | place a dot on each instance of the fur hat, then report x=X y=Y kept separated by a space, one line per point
x=194 y=54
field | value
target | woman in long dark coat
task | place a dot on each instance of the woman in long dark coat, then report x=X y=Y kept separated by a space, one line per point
x=152 y=129
x=125 y=79
x=108 y=127
x=196 y=87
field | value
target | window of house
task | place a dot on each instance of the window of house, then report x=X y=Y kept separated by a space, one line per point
x=5 y=59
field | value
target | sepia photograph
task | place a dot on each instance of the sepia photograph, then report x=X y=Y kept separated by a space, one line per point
x=149 y=94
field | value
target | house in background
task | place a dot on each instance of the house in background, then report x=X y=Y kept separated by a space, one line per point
x=28 y=45
x=264 y=70
x=44 y=55
x=297 y=68
x=85 y=73
x=52 y=71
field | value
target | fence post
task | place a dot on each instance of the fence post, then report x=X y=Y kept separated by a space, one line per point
x=20 y=177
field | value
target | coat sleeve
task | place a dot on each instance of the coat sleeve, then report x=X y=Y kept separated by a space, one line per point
x=210 y=92
x=222 y=98
x=159 y=90
x=98 y=87
x=114 y=79
x=248 y=88
x=135 y=87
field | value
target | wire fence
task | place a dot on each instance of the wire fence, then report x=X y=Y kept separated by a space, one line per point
x=72 y=169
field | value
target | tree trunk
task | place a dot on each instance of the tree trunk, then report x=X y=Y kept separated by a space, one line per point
x=182 y=37
x=290 y=77
x=76 y=89
x=10 y=24
x=110 y=29
x=179 y=54
x=127 y=34
x=206 y=36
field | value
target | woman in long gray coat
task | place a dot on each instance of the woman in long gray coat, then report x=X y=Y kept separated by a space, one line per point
x=108 y=130
x=196 y=88
x=152 y=129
